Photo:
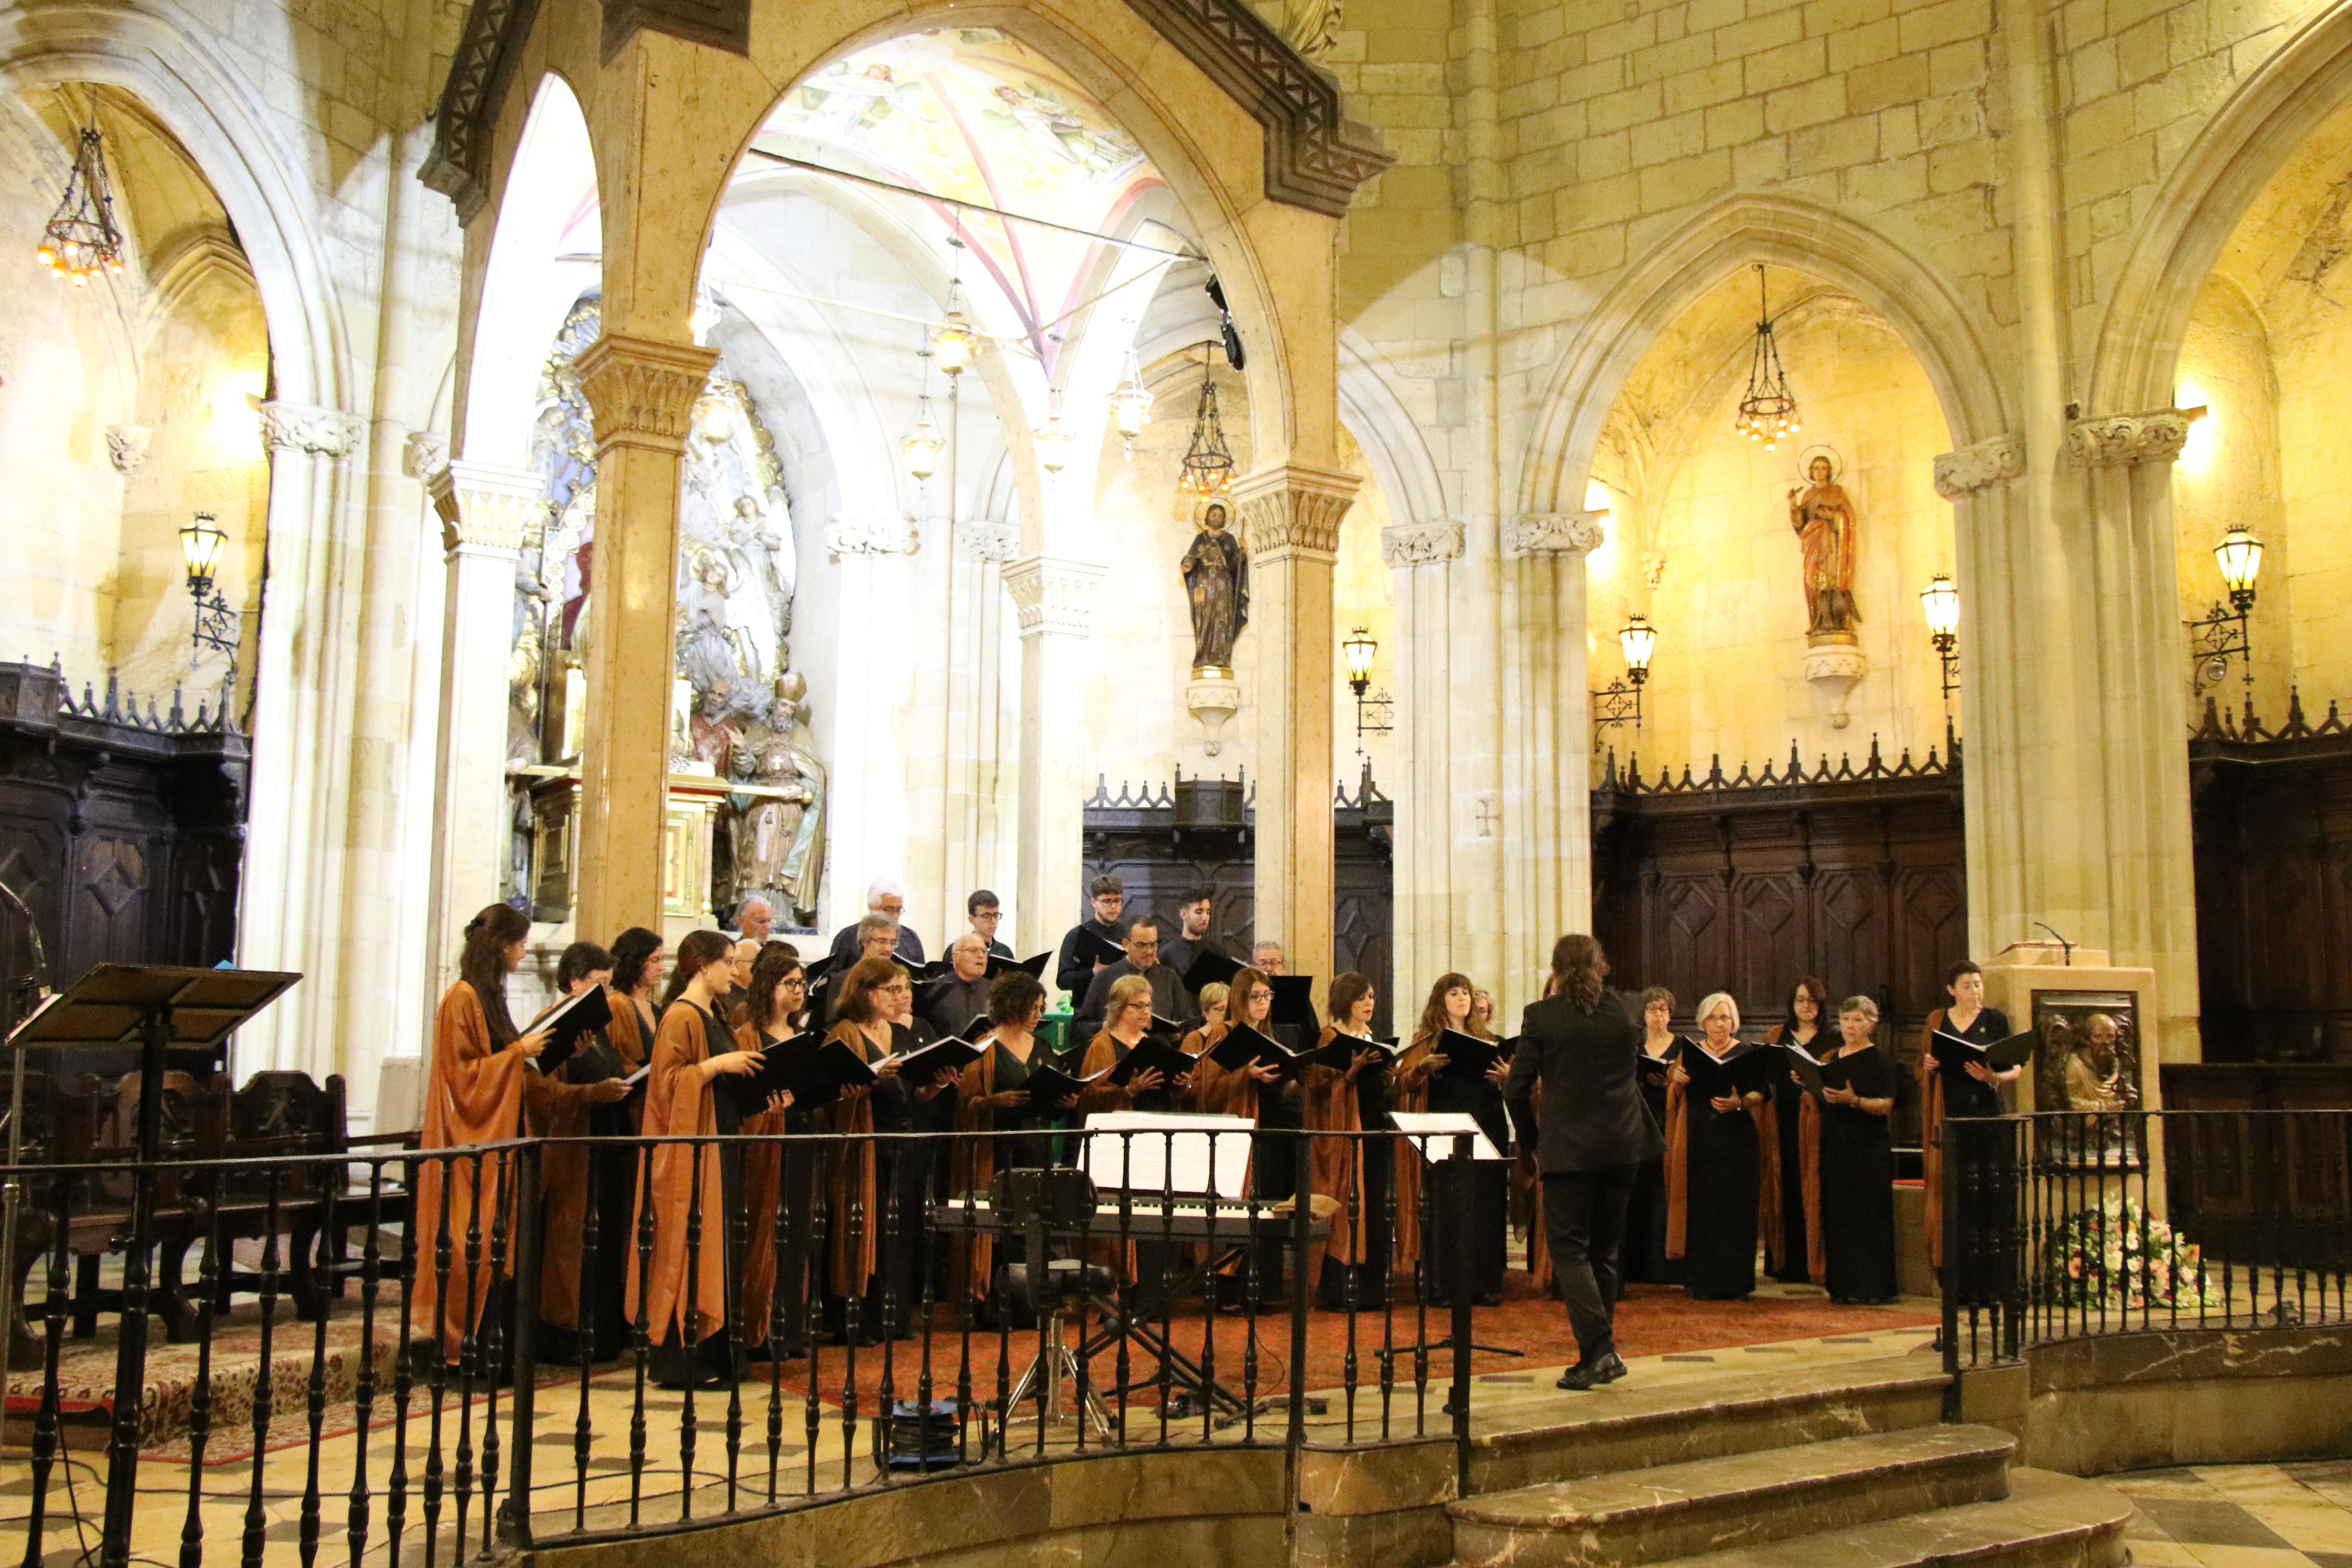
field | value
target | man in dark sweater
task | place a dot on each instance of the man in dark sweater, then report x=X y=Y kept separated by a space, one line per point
x=1142 y=957
x=1075 y=968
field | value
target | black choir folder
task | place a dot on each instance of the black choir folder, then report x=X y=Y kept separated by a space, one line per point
x=1153 y=1052
x=1209 y=967
x=919 y=1068
x=1468 y=1055
x=569 y=1021
x=1953 y=1054
x=814 y=1071
x=1745 y=1071
x=1243 y=1047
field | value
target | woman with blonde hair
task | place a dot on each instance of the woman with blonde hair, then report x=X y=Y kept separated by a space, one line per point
x=1713 y=1163
x=1127 y=1018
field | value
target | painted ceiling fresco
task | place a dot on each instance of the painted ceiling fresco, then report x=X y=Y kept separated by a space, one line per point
x=974 y=114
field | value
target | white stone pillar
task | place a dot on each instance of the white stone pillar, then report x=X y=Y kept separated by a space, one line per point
x=2075 y=769
x=870 y=822
x=485 y=511
x=983 y=715
x=1420 y=555
x=305 y=672
x=1290 y=519
x=1054 y=600
x=1548 y=727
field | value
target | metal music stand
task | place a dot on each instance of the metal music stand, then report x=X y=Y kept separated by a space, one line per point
x=159 y=1007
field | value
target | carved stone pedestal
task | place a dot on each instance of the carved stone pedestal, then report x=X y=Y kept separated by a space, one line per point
x=1835 y=668
x=1214 y=698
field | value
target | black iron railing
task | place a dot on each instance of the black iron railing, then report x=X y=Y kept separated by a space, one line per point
x=446 y=1354
x=2060 y=1225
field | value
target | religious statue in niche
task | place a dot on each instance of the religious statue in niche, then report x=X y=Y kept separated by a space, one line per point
x=1823 y=517
x=1216 y=580
x=744 y=713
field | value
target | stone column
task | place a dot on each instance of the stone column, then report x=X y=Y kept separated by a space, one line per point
x=1290 y=520
x=1420 y=555
x=2076 y=772
x=485 y=512
x=1547 y=729
x=976 y=828
x=1054 y=601
x=870 y=828
x=304 y=679
x=641 y=391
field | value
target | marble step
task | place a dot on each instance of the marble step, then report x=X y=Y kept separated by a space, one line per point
x=1737 y=1500
x=1624 y=1425
x=2048 y=1520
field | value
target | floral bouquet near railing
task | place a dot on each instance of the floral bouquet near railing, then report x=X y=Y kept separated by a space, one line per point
x=2119 y=1253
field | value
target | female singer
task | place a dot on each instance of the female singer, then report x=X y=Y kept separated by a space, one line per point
x=1274 y=1174
x=909 y=1166
x=1421 y=1084
x=775 y=1301
x=1713 y=1167
x=991 y=1098
x=1351 y=1267
x=1806 y=1026
x=572 y=1104
x=871 y=993
x=1975 y=1092
x=475 y=1095
x=1850 y=1164
x=682 y=1291
x=1127 y=1018
x=1214 y=1000
x=1645 y=1260
x=639 y=962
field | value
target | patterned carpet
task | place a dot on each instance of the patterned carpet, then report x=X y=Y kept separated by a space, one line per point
x=2242 y=1515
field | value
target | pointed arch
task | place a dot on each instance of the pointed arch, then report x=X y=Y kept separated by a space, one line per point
x=1387 y=434
x=202 y=98
x=2288 y=98
x=1623 y=323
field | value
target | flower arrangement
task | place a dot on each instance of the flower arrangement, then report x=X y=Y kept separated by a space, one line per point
x=2118 y=1252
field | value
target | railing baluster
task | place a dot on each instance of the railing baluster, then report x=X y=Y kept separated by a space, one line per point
x=469 y=1353
x=256 y=1520
x=501 y=1305
x=363 y=1393
x=45 y=1421
x=200 y=1400
x=641 y=1331
x=688 y=1325
x=403 y=1361
x=588 y=1295
x=322 y=1182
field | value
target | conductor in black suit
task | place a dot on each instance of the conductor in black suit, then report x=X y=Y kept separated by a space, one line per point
x=1581 y=1043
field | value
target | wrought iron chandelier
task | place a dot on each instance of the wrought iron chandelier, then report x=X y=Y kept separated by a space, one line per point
x=1768 y=410
x=1208 y=462
x=82 y=238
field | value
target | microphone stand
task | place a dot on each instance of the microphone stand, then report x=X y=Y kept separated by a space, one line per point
x=32 y=987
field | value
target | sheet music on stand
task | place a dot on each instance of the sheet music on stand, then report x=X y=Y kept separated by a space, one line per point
x=1142 y=1164
x=1421 y=1127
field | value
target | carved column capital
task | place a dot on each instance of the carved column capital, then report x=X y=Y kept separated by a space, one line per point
x=887 y=533
x=126 y=445
x=643 y=390
x=1051 y=594
x=427 y=453
x=483 y=506
x=305 y=428
x=2115 y=440
x=1553 y=534
x=1294 y=511
x=1421 y=543
x=990 y=543
x=1980 y=466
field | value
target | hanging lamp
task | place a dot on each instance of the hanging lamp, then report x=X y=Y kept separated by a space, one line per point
x=1768 y=410
x=82 y=238
x=1208 y=462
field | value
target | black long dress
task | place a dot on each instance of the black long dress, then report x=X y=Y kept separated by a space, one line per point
x=1377 y=1224
x=1490 y=1190
x=1985 y=1277
x=1787 y=1095
x=1720 y=1184
x=610 y=1251
x=1857 y=1176
x=1644 y=1260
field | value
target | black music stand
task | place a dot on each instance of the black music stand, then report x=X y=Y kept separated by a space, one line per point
x=159 y=1006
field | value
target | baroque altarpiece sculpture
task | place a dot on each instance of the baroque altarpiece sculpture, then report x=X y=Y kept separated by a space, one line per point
x=740 y=713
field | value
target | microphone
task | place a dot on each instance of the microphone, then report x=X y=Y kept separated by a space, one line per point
x=2068 y=946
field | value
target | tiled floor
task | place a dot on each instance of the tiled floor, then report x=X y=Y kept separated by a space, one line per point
x=2242 y=1515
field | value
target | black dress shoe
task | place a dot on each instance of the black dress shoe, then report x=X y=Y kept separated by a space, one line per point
x=1606 y=1367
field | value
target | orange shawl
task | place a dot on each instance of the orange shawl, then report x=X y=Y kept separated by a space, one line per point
x=1931 y=1136
x=856 y=1197
x=475 y=1095
x=1410 y=1097
x=974 y=1168
x=556 y=1109
x=1335 y=1166
x=678 y=1105
x=764 y=1180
